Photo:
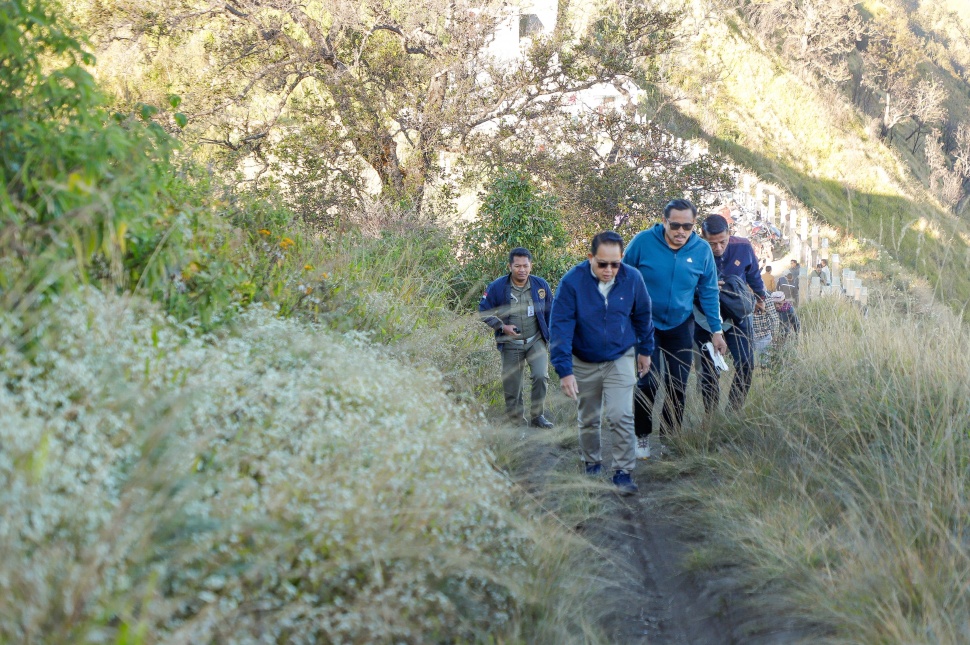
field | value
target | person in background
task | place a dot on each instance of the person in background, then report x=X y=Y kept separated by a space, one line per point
x=817 y=272
x=788 y=319
x=602 y=339
x=768 y=278
x=765 y=328
x=675 y=264
x=826 y=273
x=788 y=285
x=517 y=306
x=794 y=273
x=732 y=256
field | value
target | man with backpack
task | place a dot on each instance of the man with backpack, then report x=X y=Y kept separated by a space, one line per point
x=737 y=270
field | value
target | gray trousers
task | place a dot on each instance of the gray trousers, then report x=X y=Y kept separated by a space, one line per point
x=514 y=359
x=606 y=391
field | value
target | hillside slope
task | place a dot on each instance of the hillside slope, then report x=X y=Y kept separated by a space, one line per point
x=745 y=100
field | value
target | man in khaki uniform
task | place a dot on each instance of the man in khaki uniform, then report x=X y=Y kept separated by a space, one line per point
x=517 y=307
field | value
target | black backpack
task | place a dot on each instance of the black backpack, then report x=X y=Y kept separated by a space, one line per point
x=737 y=299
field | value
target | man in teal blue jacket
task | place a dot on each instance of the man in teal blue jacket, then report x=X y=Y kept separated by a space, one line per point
x=675 y=264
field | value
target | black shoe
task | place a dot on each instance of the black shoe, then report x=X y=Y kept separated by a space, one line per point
x=541 y=422
x=624 y=483
x=593 y=468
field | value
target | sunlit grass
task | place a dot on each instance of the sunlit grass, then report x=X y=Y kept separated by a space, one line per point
x=843 y=486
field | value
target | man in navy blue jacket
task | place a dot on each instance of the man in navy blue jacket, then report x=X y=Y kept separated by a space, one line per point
x=676 y=264
x=601 y=320
x=732 y=256
x=517 y=307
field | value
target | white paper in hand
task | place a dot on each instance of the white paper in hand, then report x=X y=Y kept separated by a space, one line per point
x=719 y=363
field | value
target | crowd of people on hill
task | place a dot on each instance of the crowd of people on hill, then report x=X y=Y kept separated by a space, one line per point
x=632 y=317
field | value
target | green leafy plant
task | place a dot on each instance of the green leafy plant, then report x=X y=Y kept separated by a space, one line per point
x=514 y=212
x=87 y=195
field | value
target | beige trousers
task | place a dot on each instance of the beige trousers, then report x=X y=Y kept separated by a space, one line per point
x=606 y=392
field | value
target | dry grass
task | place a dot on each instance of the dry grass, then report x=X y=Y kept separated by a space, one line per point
x=844 y=485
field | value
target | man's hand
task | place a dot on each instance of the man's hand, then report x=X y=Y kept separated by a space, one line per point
x=569 y=386
x=510 y=330
x=643 y=365
x=759 y=305
x=720 y=346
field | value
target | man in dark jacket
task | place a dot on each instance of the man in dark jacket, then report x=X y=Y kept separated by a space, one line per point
x=517 y=307
x=732 y=256
x=602 y=339
x=788 y=285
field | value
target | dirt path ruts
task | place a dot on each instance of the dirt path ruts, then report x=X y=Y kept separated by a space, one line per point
x=656 y=600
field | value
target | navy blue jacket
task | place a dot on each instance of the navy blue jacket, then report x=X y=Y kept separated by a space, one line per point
x=598 y=329
x=494 y=305
x=740 y=259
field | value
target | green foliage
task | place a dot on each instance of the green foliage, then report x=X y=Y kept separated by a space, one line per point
x=86 y=195
x=614 y=170
x=515 y=213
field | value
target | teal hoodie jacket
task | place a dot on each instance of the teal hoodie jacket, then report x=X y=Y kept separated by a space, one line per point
x=674 y=276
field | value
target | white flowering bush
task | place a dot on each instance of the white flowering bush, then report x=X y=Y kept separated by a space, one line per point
x=274 y=482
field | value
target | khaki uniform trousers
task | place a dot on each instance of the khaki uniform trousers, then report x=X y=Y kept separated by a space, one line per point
x=606 y=392
x=514 y=359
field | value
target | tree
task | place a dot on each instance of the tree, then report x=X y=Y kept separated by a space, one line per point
x=928 y=108
x=818 y=34
x=890 y=59
x=328 y=96
x=613 y=169
x=515 y=212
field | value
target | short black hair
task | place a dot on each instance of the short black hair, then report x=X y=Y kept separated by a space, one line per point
x=606 y=237
x=679 y=205
x=519 y=252
x=768 y=268
x=714 y=225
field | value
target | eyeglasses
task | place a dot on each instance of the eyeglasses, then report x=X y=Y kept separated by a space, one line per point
x=603 y=264
x=680 y=225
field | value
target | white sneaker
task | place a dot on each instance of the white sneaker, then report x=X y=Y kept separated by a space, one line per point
x=643 y=448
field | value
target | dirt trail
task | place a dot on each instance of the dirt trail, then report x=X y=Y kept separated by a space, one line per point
x=658 y=601
x=669 y=604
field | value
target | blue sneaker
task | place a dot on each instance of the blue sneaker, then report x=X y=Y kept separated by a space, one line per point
x=593 y=468
x=624 y=483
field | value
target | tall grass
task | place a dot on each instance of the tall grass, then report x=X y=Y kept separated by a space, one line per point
x=844 y=484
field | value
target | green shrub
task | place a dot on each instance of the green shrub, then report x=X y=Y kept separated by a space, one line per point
x=87 y=195
x=270 y=482
x=514 y=213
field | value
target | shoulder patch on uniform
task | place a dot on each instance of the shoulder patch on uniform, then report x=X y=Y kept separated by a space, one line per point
x=542 y=294
x=737 y=263
x=691 y=260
